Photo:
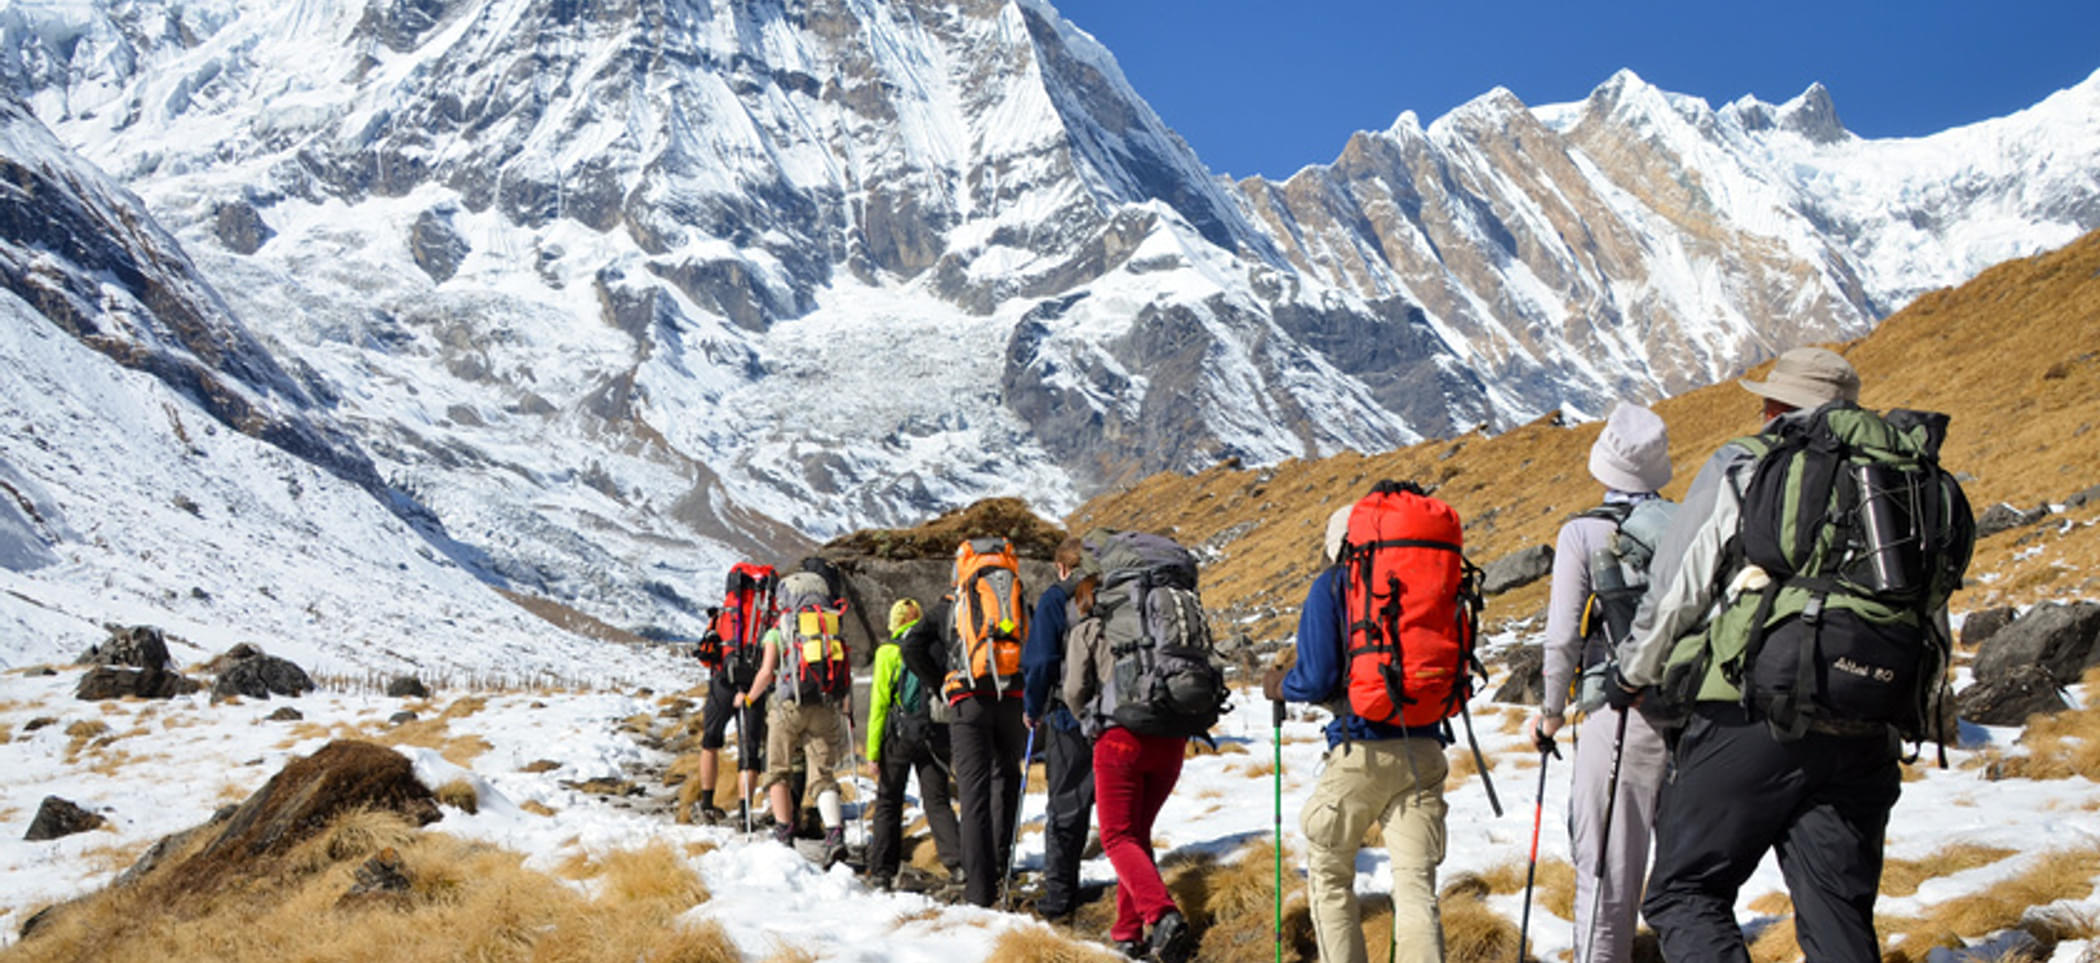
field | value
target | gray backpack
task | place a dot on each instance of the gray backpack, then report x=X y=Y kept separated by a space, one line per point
x=1618 y=579
x=1163 y=679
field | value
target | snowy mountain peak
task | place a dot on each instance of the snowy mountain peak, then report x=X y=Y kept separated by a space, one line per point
x=1813 y=115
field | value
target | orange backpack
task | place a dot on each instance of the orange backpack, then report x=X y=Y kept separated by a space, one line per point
x=1412 y=608
x=990 y=618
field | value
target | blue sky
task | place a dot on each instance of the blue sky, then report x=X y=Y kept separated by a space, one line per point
x=1269 y=87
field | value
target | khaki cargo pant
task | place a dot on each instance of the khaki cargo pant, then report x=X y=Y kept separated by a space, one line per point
x=812 y=727
x=1399 y=783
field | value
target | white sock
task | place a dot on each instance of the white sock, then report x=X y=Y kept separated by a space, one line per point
x=828 y=808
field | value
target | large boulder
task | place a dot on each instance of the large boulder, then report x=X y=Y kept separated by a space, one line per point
x=1978 y=626
x=1516 y=570
x=259 y=676
x=407 y=687
x=2061 y=638
x=138 y=646
x=2026 y=690
x=103 y=683
x=60 y=817
x=2004 y=518
x=1526 y=684
x=303 y=798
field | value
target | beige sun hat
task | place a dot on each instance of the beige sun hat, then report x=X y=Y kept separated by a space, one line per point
x=1808 y=378
x=1632 y=453
x=1337 y=531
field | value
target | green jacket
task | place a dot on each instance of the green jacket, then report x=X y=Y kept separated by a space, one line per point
x=889 y=670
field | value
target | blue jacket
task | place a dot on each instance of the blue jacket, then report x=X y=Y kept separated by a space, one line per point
x=1318 y=675
x=1043 y=658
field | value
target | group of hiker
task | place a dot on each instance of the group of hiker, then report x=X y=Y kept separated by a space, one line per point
x=1741 y=671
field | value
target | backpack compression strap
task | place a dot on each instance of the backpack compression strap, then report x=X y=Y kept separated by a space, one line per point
x=1381 y=625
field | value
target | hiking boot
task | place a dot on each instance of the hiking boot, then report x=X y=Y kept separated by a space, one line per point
x=784 y=834
x=881 y=883
x=1133 y=949
x=711 y=815
x=1171 y=940
x=834 y=846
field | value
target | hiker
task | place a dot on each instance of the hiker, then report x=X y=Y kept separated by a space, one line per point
x=1141 y=681
x=1764 y=762
x=748 y=609
x=805 y=667
x=903 y=736
x=1620 y=756
x=1069 y=766
x=972 y=655
x=1375 y=772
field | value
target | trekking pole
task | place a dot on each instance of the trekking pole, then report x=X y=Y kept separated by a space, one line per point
x=743 y=728
x=1611 y=805
x=1538 y=812
x=1006 y=881
x=861 y=797
x=1276 y=777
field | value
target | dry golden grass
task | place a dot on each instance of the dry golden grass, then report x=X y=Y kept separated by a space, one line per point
x=467 y=901
x=536 y=807
x=1776 y=943
x=1231 y=905
x=1901 y=877
x=1473 y=933
x=783 y=953
x=459 y=750
x=2058 y=875
x=1035 y=944
x=7 y=733
x=1553 y=888
x=1778 y=903
x=1462 y=768
x=2008 y=355
x=540 y=765
x=459 y=794
x=82 y=733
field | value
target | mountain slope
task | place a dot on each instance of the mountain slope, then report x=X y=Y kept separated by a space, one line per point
x=2009 y=355
x=622 y=292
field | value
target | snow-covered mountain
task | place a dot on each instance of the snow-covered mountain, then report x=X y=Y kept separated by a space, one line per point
x=605 y=294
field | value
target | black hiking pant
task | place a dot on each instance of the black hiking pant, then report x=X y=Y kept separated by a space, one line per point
x=1069 y=810
x=901 y=756
x=987 y=738
x=1823 y=802
x=716 y=714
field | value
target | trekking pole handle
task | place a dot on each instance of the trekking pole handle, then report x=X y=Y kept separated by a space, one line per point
x=1276 y=713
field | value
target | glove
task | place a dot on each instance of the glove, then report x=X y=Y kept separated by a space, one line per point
x=1272 y=684
x=1621 y=694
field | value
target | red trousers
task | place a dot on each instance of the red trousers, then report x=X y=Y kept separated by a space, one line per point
x=1133 y=775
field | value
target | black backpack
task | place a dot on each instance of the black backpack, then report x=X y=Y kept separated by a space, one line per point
x=1164 y=679
x=1864 y=536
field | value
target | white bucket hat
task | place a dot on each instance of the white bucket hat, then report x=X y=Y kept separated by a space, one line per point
x=1632 y=453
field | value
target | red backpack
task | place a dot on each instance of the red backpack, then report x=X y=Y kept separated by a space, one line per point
x=1411 y=606
x=748 y=610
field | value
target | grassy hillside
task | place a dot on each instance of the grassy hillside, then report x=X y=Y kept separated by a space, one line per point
x=2013 y=355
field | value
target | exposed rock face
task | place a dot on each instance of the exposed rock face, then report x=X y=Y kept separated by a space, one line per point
x=240 y=227
x=2008 y=700
x=436 y=246
x=1517 y=569
x=60 y=817
x=407 y=686
x=2060 y=639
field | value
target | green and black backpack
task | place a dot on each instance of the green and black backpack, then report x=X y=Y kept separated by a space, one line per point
x=1852 y=538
